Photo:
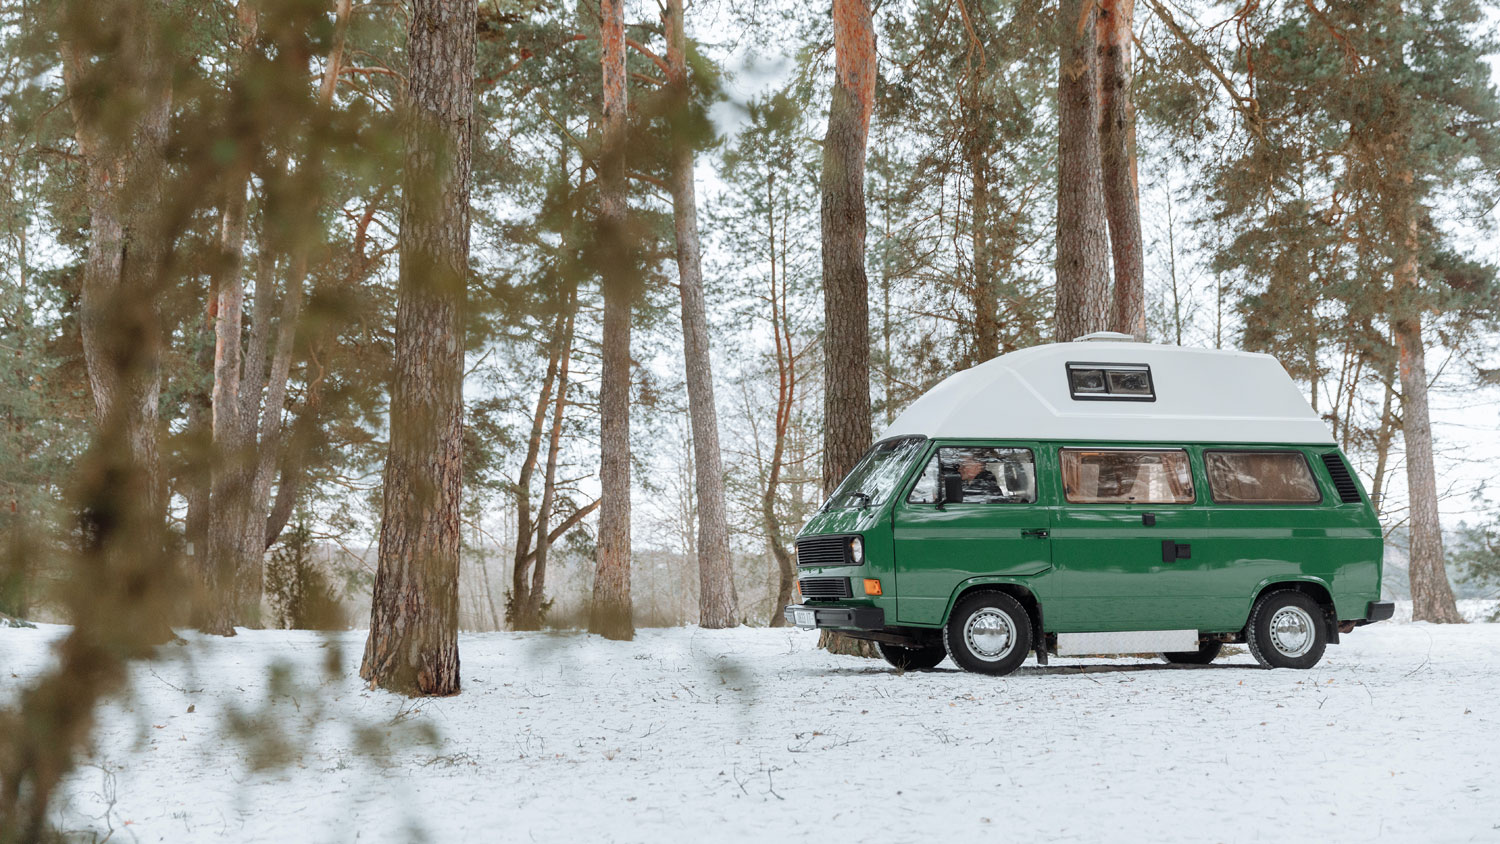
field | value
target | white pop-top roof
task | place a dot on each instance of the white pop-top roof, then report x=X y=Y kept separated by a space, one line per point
x=1202 y=395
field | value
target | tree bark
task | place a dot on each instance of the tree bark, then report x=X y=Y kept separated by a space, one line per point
x=120 y=330
x=1083 y=301
x=287 y=466
x=198 y=472
x=121 y=593
x=119 y=320
x=232 y=456
x=846 y=308
x=1385 y=434
x=520 y=581
x=982 y=296
x=978 y=139
x=610 y=612
x=536 y=593
x=413 y=644
x=1431 y=594
x=718 y=604
x=786 y=396
x=1122 y=199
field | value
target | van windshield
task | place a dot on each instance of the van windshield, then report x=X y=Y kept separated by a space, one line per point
x=877 y=474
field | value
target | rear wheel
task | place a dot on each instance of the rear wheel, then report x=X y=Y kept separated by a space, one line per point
x=989 y=632
x=1207 y=652
x=908 y=659
x=1287 y=630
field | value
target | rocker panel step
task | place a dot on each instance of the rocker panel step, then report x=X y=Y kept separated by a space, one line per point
x=1130 y=642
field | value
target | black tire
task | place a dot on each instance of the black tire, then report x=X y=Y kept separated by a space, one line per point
x=1301 y=632
x=1003 y=615
x=1207 y=652
x=912 y=659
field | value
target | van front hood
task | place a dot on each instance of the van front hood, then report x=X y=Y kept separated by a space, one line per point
x=841 y=520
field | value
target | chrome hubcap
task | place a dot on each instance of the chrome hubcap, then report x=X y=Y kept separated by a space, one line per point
x=990 y=634
x=1292 y=631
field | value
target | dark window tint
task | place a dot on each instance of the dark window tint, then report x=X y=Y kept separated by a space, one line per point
x=1111 y=382
x=1260 y=477
x=1127 y=476
x=977 y=475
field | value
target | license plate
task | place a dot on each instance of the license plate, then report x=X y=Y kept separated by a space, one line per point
x=804 y=618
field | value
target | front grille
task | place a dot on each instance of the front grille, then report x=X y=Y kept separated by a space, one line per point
x=825 y=587
x=1342 y=481
x=823 y=551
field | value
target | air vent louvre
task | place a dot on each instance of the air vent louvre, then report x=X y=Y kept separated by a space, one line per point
x=1342 y=480
x=825 y=587
x=823 y=551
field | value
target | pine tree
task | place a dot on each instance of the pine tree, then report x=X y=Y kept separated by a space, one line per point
x=413 y=643
x=718 y=605
x=1083 y=291
x=610 y=612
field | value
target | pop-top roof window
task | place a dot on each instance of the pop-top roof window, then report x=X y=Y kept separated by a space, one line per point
x=1111 y=382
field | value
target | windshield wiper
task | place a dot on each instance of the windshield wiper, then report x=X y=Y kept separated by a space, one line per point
x=864 y=499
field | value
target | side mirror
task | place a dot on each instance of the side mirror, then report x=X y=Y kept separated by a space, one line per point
x=953 y=490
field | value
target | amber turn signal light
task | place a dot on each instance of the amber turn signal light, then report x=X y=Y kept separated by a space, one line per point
x=872 y=586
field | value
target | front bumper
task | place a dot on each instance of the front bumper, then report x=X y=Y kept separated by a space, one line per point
x=843 y=618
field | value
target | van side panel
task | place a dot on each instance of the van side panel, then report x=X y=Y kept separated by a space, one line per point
x=1248 y=546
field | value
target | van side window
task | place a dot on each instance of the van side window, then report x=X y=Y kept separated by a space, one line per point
x=1260 y=477
x=977 y=475
x=1127 y=476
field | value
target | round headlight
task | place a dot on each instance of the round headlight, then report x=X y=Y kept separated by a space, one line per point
x=857 y=549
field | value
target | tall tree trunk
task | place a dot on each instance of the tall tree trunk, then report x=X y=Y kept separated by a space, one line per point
x=1385 y=434
x=1431 y=594
x=718 y=604
x=520 y=580
x=413 y=644
x=982 y=296
x=232 y=458
x=536 y=593
x=978 y=138
x=121 y=594
x=846 y=306
x=198 y=472
x=610 y=610
x=1122 y=198
x=1083 y=301
x=263 y=527
x=125 y=175
x=786 y=396
x=262 y=414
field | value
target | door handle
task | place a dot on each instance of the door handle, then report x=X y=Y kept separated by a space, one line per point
x=1037 y=533
x=1171 y=552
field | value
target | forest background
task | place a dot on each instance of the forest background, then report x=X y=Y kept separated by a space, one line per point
x=1260 y=231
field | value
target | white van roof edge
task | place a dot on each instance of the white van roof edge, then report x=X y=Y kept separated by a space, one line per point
x=1201 y=395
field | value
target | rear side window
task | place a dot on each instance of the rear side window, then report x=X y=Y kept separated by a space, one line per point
x=977 y=475
x=1127 y=476
x=1260 y=477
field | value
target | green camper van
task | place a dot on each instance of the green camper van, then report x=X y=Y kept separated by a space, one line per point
x=1096 y=497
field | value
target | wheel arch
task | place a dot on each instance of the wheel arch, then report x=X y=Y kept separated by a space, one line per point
x=1015 y=587
x=1313 y=587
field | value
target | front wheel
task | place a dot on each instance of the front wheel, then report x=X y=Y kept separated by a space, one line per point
x=912 y=659
x=989 y=633
x=1286 y=630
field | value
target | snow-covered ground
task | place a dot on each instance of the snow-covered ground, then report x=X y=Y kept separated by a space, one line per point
x=753 y=734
